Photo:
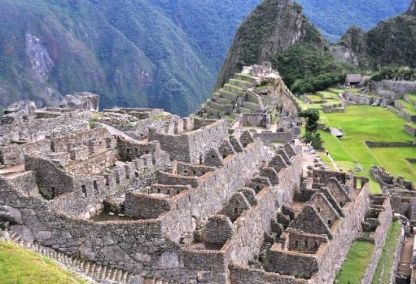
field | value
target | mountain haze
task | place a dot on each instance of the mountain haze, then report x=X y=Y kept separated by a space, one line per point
x=334 y=17
x=133 y=53
x=152 y=53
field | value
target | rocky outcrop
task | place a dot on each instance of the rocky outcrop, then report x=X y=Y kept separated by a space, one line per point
x=81 y=101
x=389 y=43
x=274 y=26
x=412 y=8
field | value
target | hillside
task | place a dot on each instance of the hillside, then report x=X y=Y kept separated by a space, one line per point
x=334 y=17
x=389 y=43
x=135 y=53
x=274 y=26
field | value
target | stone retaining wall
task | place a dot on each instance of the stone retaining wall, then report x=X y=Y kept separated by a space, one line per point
x=379 y=238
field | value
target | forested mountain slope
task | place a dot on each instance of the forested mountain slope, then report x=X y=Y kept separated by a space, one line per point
x=133 y=53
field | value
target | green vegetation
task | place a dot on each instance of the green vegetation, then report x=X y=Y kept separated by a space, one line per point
x=333 y=17
x=355 y=265
x=387 y=256
x=367 y=123
x=307 y=68
x=133 y=53
x=393 y=73
x=18 y=265
x=311 y=128
x=408 y=107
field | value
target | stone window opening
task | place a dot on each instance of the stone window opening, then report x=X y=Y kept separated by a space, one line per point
x=107 y=180
x=128 y=151
x=177 y=192
x=108 y=143
x=136 y=174
x=329 y=223
x=53 y=192
x=213 y=156
x=95 y=186
x=315 y=245
x=297 y=244
x=84 y=190
x=168 y=191
x=194 y=173
x=158 y=190
x=318 y=209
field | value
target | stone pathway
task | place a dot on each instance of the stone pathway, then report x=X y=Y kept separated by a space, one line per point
x=406 y=257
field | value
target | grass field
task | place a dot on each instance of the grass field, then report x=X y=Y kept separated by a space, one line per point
x=387 y=255
x=355 y=265
x=368 y=123
x=20 y=266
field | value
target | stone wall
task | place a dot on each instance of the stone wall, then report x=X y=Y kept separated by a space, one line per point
x=379 y=237
x=244 y=275
x=191 y=145
x=136 y=246
x=400 y=87
x=269 y=137
x=344 y=232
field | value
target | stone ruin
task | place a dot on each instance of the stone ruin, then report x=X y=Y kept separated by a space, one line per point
x=184 y=200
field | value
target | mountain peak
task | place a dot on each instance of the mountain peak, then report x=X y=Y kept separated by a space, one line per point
x=412 y=8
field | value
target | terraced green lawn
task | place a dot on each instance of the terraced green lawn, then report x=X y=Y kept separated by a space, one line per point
x=20 y=266
x=355 y=265
x=367 y=123
x=314 y=98
x=408 y=107
x=381 y=276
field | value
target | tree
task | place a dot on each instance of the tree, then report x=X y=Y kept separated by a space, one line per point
x=311 y=135
x=312 y=118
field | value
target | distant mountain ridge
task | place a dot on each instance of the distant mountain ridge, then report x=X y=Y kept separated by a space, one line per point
x=133 y=53
x=391 y=42
x=148 y=53
x=334 y=17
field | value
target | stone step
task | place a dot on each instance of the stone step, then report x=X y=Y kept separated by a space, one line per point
x=240 y=83
x=234 y=89
x=244 y=77
x=251 y=106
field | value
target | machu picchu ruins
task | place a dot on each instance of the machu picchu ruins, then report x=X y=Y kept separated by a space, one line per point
x=228 y=195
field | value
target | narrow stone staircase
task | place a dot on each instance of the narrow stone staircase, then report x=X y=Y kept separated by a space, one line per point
x=94 y=272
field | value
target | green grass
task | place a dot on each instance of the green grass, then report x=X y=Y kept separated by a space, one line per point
x=20 y=266
x=367 y=123
x=329 y=95
x=314 y=99
x=384 y=266
x=355 y=265
x=408 y=107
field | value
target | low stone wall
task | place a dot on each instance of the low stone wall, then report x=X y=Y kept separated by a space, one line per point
x=244 y=275
x=361 y=99
x=274 y=137
x=411 y=129
x=374 y=144
x=397 y=255
x=379 y=237
x=400 y=87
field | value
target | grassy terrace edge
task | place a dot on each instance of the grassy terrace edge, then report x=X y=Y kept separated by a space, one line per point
x=355 y=265
x=387 y=255
x=37 y=268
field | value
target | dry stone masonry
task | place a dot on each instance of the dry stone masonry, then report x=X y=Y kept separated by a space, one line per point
x=147 y=194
